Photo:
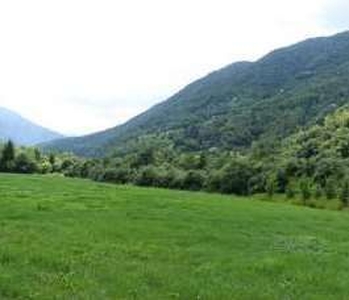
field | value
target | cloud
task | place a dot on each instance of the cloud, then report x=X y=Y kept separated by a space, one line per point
x=83 y=65
x=336 y=15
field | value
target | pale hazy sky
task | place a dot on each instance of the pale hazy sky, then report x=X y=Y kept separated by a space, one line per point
x=79 y=66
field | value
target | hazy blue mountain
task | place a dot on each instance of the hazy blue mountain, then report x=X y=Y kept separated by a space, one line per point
x=244 y=102
x=22 y=131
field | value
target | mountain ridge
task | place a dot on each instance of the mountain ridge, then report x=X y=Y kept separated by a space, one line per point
x=23 y=131
x=239 y=104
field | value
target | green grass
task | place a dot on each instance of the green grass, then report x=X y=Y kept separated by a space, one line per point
x=74 y=239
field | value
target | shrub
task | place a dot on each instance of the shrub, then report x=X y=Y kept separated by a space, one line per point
x=344 y=196
x=270 y=187
x=305 y=190
x=290 y=192
x=330 y=189
x=235 y=177
x=117 y=175
x=23 y=164
x=194 y=180
x=318 y=192
x=146 y=176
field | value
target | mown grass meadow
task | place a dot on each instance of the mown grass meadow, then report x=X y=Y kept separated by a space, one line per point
x=75 y=239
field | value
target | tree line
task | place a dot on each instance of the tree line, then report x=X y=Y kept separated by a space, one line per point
x=311 y=165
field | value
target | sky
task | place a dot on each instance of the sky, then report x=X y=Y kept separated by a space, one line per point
x=80 y=66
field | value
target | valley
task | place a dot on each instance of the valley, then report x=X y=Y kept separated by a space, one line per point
x=236 y=187
x=190 y=150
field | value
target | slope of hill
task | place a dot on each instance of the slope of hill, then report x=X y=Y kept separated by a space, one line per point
x=74 y=239
x=241 y=103
x=22 y=131
x=319 y=153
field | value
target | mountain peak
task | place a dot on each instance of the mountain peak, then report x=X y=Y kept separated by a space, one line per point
x=22 y=131
x=242 y=103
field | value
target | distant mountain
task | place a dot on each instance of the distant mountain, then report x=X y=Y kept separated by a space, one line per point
x=242 y=103
x=22 y=131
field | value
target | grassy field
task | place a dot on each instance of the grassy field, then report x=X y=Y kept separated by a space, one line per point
x=74 y=239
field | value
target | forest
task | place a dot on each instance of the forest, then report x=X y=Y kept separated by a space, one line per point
x=310 y=165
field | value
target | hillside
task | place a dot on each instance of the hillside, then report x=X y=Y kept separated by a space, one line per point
x=248 y=101
x=73 y=239
x=22 y=131
x=319 y=153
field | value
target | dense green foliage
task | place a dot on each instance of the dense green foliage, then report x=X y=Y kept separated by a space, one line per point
x=73 y=239
x=310 y=165
x=320 y=154
x=31 y=160
x=238 y=105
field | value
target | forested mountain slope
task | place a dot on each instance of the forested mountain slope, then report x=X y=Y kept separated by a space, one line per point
x=244 y=102
x=22 y=131
x=320 y=152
